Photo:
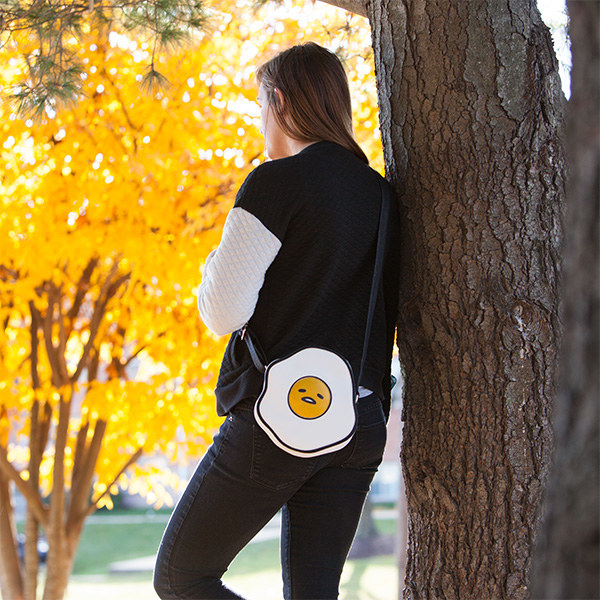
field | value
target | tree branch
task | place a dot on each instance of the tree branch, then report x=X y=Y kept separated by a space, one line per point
x=36 y=321
x=109 y=289
x=79 y=457
x=62 y=340
x=57 y=499
x=83 y=286
x=33 y=500
x=144 y=346
x=31 y=522
x=117 y=93
x=94 y=504
x=45 y=427
x=11 y=576
x=80 y=487
x=93 y=364
x=47 y=328
x=31 y=555
x=358 y=7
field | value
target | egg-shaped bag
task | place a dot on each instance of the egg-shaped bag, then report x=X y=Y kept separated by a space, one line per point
x=308 y=402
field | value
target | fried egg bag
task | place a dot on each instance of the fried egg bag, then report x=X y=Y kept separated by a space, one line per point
x=308 y=403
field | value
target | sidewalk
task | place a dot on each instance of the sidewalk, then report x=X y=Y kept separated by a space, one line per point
x=146 y=563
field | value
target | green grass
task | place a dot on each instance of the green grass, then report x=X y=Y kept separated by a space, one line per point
x=101 y=545
x=365 y=579
x=386 y=526
x=255 y=573
x=256 y=557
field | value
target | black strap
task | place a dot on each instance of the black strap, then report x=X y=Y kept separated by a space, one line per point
x=255 y=353
x=256 y=358
x=377 y=269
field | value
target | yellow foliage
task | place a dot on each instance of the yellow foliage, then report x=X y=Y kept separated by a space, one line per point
x=137 y=187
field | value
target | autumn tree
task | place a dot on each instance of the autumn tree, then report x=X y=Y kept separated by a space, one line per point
x=102 y=206
x=109 y=205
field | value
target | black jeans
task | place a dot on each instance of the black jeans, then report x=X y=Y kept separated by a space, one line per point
x=241 y=483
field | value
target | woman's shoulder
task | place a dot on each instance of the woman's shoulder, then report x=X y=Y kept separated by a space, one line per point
x=271 y=175
x=322 y=164
x=269 y=193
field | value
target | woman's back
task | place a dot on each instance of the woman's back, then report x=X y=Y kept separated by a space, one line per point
x=323 y=206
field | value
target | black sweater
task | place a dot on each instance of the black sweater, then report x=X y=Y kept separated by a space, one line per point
x=321 y=209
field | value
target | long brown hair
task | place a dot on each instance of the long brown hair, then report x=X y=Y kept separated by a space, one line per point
x=317 y=103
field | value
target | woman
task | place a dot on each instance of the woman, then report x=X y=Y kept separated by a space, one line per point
x=295 y=265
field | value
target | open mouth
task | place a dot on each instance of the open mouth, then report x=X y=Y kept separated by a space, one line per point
x=309 y=400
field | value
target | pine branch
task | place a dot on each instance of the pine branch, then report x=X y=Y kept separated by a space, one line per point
x=54 y=72
x=153 y=81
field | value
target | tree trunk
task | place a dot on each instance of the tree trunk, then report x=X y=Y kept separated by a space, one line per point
x=567 y=565
x=59 y=561
x=31 y=555
x=401 y=534
x=11 y=577
x=31 y=523
x=471 y=110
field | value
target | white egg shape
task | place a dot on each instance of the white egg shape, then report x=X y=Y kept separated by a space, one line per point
x=307 y=406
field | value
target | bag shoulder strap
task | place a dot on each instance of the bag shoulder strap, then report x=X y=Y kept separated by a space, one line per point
x=258 y=361
x=256 y=354
x=377 y=271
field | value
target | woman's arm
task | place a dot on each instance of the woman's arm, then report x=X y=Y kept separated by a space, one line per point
x=234 y=273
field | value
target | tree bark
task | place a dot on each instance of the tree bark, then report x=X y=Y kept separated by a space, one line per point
x=11 y=576
x=31 y=556
x=567 y=563
x=59 y=557
x=31 y=523
x=470 y=112
x=36 y=450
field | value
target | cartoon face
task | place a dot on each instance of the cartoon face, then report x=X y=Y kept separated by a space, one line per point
x=309 y=397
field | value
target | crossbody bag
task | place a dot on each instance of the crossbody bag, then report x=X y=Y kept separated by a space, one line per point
x=307 y=405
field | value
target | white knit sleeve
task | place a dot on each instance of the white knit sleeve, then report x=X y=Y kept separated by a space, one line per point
x=234 y=273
